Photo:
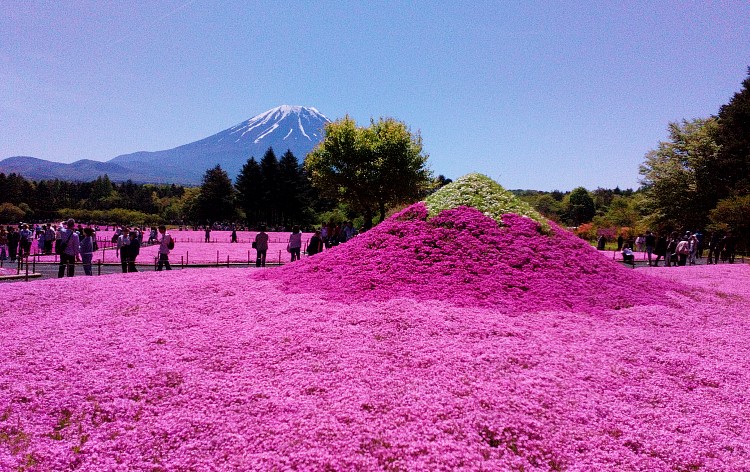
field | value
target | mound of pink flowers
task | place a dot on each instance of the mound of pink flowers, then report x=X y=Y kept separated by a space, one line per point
x=465 y=257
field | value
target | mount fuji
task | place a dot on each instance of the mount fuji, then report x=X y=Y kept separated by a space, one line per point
x=295 y=128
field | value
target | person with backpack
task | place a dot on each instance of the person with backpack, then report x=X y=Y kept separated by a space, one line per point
x=166 y=244
x=683 y=250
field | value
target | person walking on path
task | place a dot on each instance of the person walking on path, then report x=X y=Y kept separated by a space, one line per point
x=87 y=250
x=165 y=245
x=295 y=243
x=71 y=251
x=261 y=247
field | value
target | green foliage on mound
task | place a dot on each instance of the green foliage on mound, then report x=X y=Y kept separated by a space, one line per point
x=481 y=192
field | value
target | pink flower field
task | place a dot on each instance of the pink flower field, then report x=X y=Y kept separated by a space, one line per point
x=445 y=343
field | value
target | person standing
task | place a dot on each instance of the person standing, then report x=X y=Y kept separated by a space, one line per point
x=620 y=242
x=295 y=243
x=49 y=238
x=661 y=250
x=261 y=247
x=601 y=243
x=683 y=251
x=3 y=244
x=208 y=233
x=315 y=245
x=650 y=241
x=71 y=250
x=87 y=250
x=671 y=260
x=693 y=247
x=24 y=248
x=165 y=245
x=123 y=242
x=134 y=249
x=13 y=239
x=234 y=234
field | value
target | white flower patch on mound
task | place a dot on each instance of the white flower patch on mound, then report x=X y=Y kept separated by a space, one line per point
x=481 y=192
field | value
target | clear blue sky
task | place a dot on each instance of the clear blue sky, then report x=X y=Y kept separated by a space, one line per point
x=539 y=95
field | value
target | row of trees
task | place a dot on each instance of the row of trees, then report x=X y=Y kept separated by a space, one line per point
x=699 y=179
x=355 y=173
x=701 y=176
x=45 y=200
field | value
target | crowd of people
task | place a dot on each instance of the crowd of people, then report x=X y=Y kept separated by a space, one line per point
x=677 y=249
x=78 y=244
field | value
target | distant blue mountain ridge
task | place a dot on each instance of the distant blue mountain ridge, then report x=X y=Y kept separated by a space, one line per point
x=295 y=128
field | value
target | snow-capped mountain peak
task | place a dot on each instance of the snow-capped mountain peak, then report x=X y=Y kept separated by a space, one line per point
x=292 y=123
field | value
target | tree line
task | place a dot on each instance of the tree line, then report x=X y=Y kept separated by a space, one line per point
x=354 y=174
x=698 y=179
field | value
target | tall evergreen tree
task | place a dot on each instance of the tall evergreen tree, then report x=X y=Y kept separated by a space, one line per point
x=216 y=199
x=249 y=187
x=292 y=198
x=269 y=204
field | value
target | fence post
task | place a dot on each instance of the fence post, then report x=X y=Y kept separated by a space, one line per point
x=182 y=262
x=217 y=258
x=27 y=268
x=227 y=260
x=99 y=265
x=187 y=257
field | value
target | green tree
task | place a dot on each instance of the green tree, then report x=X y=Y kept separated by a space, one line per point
x=369 y=168
x=269 y=203
x=292 y=189
x=581 y=207
x=249 y=190
x=10 y=213
x=679 y=177
x=733 y=214
x=732 y=168
x=216 y=199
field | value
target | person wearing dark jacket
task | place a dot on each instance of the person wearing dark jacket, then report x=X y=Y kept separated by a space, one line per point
x=13 y=239
x=661 y=250
x=134 y=249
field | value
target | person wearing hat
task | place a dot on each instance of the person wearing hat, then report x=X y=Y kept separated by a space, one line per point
x=71 y=249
